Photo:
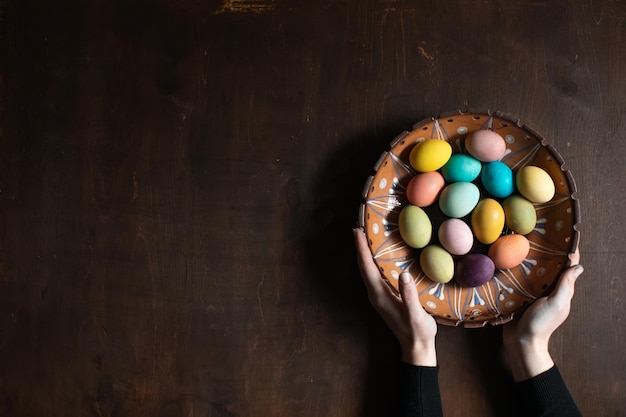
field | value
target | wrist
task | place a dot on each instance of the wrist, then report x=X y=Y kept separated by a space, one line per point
x=528 y=358
x=420 y=354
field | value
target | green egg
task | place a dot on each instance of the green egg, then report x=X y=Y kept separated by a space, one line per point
x=520 y=215
x=437 y=263
x=415 y=227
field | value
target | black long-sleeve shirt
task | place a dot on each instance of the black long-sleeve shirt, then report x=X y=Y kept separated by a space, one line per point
x=544 y=395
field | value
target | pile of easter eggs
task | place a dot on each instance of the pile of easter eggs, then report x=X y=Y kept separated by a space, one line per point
x=484 y=209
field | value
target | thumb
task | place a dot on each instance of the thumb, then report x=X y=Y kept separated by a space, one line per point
x=408 y=292
x=565 y=288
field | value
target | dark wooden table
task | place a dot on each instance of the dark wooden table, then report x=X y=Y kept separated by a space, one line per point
x=179 y=181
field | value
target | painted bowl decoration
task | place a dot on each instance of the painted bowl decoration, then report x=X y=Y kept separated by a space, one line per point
x=478 y=208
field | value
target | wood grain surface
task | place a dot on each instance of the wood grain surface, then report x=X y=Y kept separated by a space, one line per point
x=179 y=181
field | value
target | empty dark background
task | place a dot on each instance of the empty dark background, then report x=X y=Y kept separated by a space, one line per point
x=179 y=181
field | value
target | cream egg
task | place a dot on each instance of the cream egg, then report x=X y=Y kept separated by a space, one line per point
x=535 y=184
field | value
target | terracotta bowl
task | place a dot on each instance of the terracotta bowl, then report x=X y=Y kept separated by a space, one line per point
x=554 y=237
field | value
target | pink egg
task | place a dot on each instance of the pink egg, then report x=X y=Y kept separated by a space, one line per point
x=485 y=145
x=423 y=189
x=456 y=236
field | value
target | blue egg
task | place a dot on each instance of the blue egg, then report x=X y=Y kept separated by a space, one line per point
x=497 y=178
x=461 y=168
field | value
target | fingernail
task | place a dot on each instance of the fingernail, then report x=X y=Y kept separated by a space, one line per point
x=405 y=277
x=578 y=269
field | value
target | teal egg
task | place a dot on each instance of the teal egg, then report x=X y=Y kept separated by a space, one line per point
x=497 y=178
x=459 y=199
x=461 y=168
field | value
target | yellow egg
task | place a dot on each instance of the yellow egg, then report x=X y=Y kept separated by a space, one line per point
x=430 y=155
x=535 y=184
x=488 y=220
x=415 y=226
x=437 y=264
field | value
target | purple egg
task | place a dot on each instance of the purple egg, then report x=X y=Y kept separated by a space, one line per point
x=474 y=270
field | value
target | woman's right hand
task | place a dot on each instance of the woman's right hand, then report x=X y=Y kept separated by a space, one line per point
x=526 y=339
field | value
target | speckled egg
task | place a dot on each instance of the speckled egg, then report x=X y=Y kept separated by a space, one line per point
x=437 y=263
x=508 y=251
x=456 y=236
x=424 y=188
x=497 y=178
x=485 y=145
x=430 y=155
x=474 y=270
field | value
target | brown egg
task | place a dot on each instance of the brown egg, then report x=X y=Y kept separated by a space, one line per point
x=508 y=251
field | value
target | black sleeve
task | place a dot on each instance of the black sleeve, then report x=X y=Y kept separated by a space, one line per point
x=546 y=395
x=418 y=392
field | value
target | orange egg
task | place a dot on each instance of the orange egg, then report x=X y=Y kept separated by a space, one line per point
x=423 y=189
x=508 y=251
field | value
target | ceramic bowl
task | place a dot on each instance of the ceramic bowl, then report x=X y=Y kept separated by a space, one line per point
x=554 y=237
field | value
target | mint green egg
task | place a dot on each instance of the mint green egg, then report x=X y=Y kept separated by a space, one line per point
x=461 y=168
x=459 y=199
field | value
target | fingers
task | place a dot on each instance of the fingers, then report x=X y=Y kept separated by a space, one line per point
x=369 y=271
x=364 y=256
x=574 y=257
x=408 y=292
x=410 y=298
x=564 y=291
